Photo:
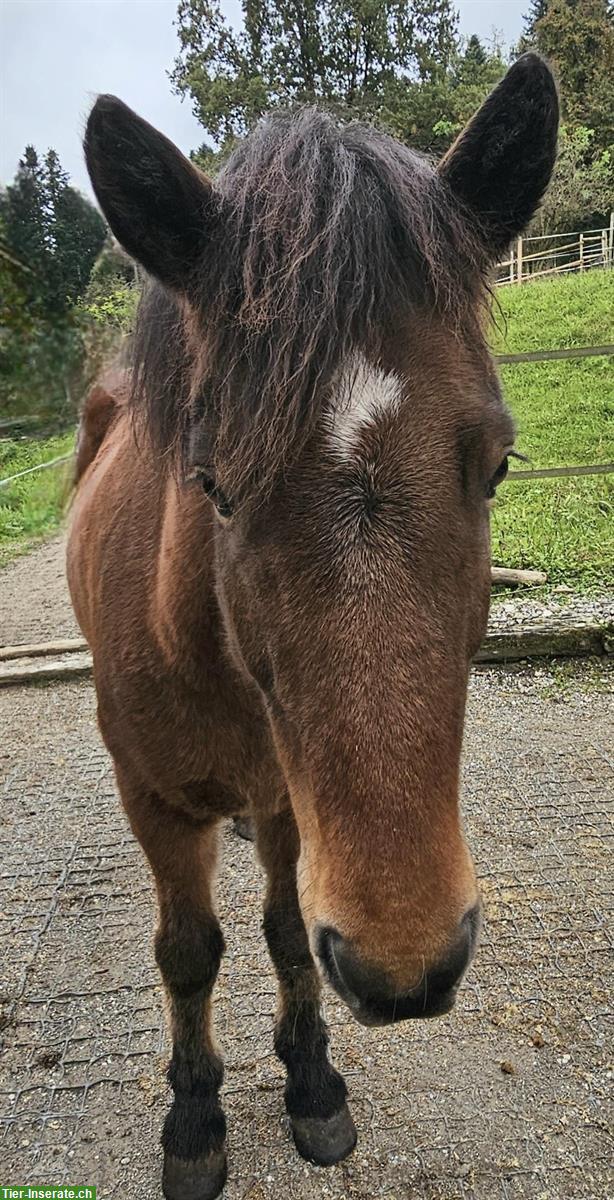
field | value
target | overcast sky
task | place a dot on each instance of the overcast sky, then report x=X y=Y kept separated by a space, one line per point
x=56 y=55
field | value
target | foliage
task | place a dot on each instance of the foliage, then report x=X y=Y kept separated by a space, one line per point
x=51 y=229
x=40 y=368
x=429 y=113
x=108 y=309
x=350 y=56
x=51 y=236
x=581 y=194
x=577 y=36
x=401 y=66
x=563 y=411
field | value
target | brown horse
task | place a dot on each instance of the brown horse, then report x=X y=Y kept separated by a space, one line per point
x=280 y=558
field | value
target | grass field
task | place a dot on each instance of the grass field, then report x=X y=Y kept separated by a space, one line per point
x=31 y=508
x=564 y=413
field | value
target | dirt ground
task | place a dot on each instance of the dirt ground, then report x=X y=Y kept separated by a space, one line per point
x=505 y=1098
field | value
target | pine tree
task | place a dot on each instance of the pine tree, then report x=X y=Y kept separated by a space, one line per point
x=24 y=226
x=475 y=53
x=536 y=12
x=53 y=230
x=50 y=237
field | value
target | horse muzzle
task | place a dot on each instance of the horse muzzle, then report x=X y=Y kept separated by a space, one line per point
x=370 y=994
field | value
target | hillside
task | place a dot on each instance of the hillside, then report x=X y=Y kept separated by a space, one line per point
x=563 y=412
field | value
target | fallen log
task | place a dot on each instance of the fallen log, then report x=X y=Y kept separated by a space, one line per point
x=45 y=671
x=510 y=576
x=556 y=639
x=42 y=649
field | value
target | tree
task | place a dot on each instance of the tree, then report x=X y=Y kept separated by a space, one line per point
x=429 y=113
x=53 y=230
x=22 y=218
x=345 y=55
x=536 y=12
x=50 y=237
x=475 y=55
x=580 y=195
x=577 y=36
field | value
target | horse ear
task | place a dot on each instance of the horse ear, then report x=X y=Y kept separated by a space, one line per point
x=159 y=206
x=500 y=165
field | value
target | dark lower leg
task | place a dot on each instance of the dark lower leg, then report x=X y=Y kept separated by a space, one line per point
x=189 y=947
x=315 y=1092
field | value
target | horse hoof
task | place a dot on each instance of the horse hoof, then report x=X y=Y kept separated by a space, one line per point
x=194 y=1179
x=244 y=828
x=325 y=1142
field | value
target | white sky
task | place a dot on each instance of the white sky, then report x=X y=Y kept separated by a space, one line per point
x=56 y=55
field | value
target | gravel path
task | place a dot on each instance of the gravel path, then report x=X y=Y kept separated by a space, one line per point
x=34 y=603
x=504 y=1099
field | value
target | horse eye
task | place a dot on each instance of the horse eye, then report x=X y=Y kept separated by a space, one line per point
x=216 y=496
x=497 y=478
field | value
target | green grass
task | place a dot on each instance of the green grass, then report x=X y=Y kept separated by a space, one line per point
x=31 y=508
x=563 y=413
x=552 y=314
x=568 y=677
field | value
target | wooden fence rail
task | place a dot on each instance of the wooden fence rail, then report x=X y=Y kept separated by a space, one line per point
x=537 y=256
x=554 y=355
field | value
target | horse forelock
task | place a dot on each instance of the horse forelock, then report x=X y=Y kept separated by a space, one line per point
x=328 y=237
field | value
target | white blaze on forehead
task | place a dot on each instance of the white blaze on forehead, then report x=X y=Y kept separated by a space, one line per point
x=363 y=394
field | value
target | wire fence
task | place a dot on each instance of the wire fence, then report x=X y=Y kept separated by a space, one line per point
x=53 y=462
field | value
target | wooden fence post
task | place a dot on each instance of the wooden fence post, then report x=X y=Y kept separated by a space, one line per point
x=592 y=248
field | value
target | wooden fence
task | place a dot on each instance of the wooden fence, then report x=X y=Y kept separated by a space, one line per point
x=557 y=254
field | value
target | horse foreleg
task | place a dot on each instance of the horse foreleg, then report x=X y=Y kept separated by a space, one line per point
x=315 y=1092
x=188 y=946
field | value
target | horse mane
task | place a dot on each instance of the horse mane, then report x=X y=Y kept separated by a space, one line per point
x=327 y=235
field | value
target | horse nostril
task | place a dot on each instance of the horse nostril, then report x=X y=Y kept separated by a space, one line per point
x=328 y=944
x=447 y=973
x=361 y=986
x=472 y=921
